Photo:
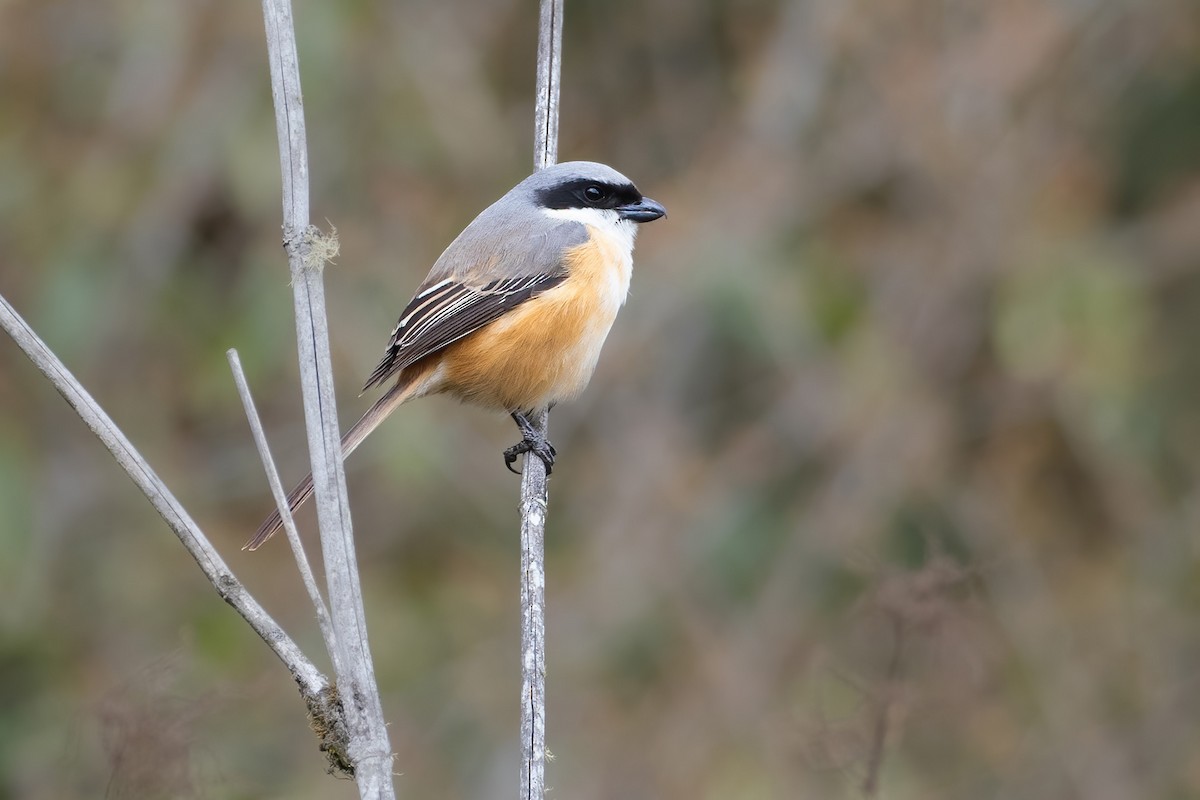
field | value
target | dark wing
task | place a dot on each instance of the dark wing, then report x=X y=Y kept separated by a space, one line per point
x=447 y=311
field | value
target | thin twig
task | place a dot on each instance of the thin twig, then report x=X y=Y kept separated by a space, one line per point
x=313 y=684
x=368 y=751
x=534 y=497
x=883 y=715
x=289 y=523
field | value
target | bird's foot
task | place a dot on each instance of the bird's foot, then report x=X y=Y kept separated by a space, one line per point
x=532 y=441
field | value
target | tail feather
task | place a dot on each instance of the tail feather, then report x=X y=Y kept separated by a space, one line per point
x=383 y=407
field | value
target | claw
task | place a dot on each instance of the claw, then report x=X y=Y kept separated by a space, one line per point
x=510 y=458
x=531 y=442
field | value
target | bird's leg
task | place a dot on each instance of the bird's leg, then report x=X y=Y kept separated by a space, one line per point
x=532 y=441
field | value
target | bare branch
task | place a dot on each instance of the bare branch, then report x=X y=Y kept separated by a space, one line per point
x=549 y=75
x=534 y=496
x=368 y=750
x=534 y=499
x=314 y=686
x=289 y=524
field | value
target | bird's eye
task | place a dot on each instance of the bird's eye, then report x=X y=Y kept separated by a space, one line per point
x=594 y=194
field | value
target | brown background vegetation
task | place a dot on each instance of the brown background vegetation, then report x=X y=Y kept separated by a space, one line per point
x=901 y=415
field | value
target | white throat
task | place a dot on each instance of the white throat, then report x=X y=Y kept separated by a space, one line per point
x=619 y=234
x=605 y=219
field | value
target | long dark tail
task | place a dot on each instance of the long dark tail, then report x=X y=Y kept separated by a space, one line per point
x=384 y=406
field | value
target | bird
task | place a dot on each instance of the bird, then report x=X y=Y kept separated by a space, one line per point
x=513 y=314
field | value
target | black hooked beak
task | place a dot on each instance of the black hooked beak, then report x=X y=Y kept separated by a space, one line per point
x=644 y=210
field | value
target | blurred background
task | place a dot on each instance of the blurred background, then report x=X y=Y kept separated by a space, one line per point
x=886 y=484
